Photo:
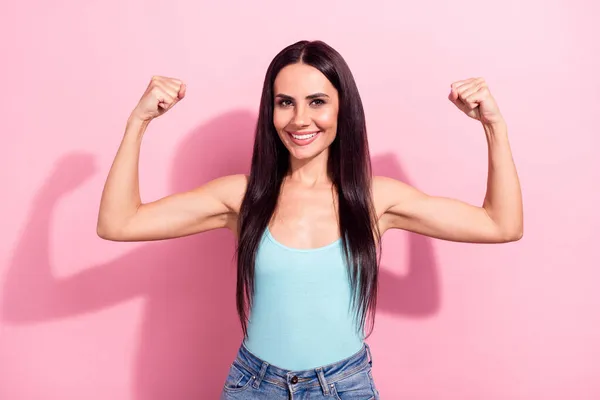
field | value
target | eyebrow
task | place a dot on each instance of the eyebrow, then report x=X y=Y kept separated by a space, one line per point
x=309 y=97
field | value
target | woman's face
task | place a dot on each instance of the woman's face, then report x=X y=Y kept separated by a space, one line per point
x=305 y=111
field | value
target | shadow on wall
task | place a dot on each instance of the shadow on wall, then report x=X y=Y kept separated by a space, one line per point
x=190 y=330
x=416 y=293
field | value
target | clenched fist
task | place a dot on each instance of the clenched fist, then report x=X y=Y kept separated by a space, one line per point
x=472 y=96
x=160 y=96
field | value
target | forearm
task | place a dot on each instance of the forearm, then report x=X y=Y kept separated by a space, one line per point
x=121 y=195
x=503 y=199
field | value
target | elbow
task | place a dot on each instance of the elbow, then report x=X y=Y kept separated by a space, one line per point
x=115 y=229
x=513 y=235
x=104 y=233
x=108 y=233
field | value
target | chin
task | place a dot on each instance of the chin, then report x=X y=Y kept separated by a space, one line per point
x=305 y=155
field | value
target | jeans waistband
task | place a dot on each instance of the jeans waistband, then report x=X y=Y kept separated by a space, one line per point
x=322 y=376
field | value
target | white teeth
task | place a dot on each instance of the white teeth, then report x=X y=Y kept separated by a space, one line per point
x=304 y=137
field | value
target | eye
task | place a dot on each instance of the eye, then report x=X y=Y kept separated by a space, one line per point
x=284 y=103
x=318 y=102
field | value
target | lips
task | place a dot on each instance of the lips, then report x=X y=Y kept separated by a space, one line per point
x=303 y=138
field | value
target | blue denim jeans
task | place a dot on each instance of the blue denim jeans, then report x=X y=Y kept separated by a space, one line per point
x=252 y=378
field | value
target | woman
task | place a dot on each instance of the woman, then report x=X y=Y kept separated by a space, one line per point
x=308 y=220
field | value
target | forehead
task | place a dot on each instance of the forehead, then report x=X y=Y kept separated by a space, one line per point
x=302 y=79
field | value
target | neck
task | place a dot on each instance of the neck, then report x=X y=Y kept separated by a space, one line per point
x=309 y=172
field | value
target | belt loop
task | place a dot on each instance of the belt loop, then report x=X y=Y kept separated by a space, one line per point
x=322 y=380
x=258 y=379
x=369 y=353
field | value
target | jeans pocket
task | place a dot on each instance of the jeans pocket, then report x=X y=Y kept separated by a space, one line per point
x=350 y=396
x=357 y=386
x=238 y=379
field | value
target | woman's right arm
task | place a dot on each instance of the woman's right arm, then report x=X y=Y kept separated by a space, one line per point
x=123 y=216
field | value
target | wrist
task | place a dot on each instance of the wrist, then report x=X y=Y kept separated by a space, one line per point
x=498 y=125
x=495 y=128
x=134 y=119
x=136 y=126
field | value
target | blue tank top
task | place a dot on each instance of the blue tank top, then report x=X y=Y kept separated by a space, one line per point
x=301 y=316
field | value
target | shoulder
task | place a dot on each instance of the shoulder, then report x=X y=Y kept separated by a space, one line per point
x=386 y=189
x=229 y=189
x=227 y=184
x=234 y=182
x=389 y=193
x=381 y=183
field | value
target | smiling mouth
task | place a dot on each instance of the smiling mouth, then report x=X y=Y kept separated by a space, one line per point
x=303 y=136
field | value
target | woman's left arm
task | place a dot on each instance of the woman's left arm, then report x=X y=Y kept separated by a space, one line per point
x=498 y=220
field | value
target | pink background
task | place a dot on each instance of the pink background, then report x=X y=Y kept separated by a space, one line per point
x=83 y=318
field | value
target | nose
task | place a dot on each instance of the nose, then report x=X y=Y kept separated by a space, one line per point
x=301 y=117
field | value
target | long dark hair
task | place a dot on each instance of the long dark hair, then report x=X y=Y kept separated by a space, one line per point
x=349 y=169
